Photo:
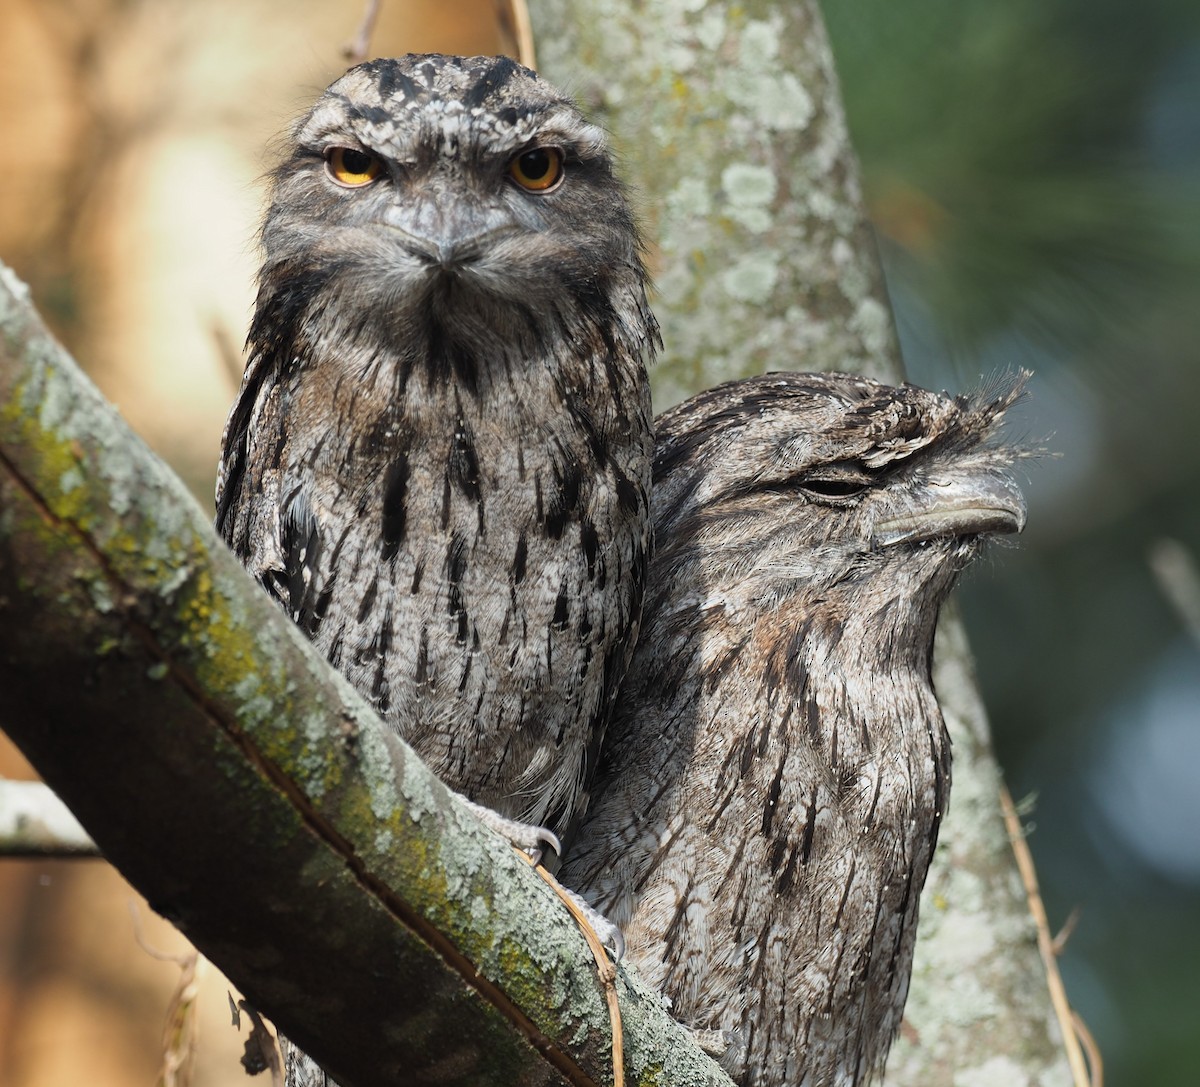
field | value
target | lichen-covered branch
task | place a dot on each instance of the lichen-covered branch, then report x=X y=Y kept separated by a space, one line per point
x=246 y=790
x=729 y=119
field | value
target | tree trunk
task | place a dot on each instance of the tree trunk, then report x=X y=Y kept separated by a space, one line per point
x=729 y=120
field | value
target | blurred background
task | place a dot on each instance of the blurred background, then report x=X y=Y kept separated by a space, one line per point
x=1033 y=170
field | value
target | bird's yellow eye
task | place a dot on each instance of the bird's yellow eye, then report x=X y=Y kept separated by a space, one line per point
x=537 y=169
x=352 y=167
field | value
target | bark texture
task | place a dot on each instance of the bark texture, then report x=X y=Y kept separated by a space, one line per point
x=729 y=122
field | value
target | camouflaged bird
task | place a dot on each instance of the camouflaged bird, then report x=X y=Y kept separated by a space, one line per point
x=771 y=784
x=439 y=459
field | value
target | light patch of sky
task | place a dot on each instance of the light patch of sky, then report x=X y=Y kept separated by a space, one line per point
x=1144 y=779
x=1172 y=121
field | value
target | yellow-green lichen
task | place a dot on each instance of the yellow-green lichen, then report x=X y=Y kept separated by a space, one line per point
x=55 y=459
x=651 y=1075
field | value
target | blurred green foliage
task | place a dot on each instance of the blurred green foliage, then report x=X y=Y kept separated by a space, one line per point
x=1033 y=170
x=1006 y=154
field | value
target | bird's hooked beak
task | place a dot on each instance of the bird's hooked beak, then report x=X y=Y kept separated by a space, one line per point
x=958 y=503
x=448 y=234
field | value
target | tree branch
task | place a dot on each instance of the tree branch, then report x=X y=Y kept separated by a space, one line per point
x=35 y=823
x=730 y=123
x=245 y=789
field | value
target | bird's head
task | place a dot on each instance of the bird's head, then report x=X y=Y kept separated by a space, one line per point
x=799 y=491
x=451 y=191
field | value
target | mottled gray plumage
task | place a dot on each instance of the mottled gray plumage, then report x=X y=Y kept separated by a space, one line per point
x=771 y=784
x=439 y=459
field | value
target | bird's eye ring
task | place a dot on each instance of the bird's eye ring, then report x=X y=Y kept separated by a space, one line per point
x=537 y=170
x=351 y=167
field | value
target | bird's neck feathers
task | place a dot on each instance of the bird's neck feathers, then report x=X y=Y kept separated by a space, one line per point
x=449 y=341
x=858 y=698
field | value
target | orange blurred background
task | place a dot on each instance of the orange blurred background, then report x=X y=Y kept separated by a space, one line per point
x=136 y=133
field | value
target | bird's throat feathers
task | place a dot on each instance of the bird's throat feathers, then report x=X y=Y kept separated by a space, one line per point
x=451 y=333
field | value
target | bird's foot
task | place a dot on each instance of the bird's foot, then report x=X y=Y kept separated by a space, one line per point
x=597 y=929
x=605 y=931
x=531 y=841
x=526 y=837
x=727 y=1047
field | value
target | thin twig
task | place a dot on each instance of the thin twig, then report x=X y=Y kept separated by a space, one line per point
x=1067 y=1018
x=517 y=30
x=355 y=50
x=229 y=354
x=181 y=1029
x=1066 y=932
x=1095 y=1061
x=605 y=970
x=1174 y=568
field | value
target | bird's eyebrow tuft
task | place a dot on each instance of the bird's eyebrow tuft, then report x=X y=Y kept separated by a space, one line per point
x=393 y=83
x=375 y=115
x=490 y=80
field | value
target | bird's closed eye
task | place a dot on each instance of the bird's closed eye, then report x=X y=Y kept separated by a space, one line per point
x=538 y=170
x=833 y=488
x=351 y=167
x=832 y=484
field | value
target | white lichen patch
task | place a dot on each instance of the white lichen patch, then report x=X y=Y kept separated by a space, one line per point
x=464 y=852
x=12 y=284
x=966 y=938
x=50 y=395
x=965 y=889
x=170 y=583
x=71 y=408
x=961 y=1001
x=479 y=911
x=753 y=278
x=748 y=191
x=101 y=594
x=996 y=1072
x=253 y=704
x=690 y=199
x=759 y=46
x=710 y=30
x=753 y=220
x=772 y=98
x=821 y=205
x=246 y=687
x=873 y=324
x=391 y=779
x=311 y=767
x=680 y=58
x=747 y=185
x=70 y=479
